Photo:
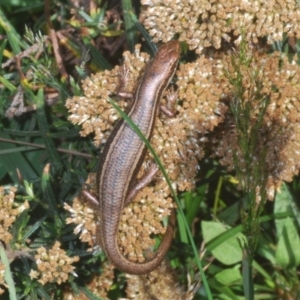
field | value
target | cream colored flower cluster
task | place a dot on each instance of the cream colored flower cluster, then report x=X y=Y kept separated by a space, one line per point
x=9 y=210
x=205 y=23
x=92 y=111
x=54 y=265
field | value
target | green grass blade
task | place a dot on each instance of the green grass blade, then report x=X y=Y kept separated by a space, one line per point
x=182 y=229
x=44 y=130
x=247 y=278
x=2 y=48
x=144 y=32
x=129 y=25
x=98 y=60
x=8 y=84
x=7 y=275
x=12 y=159
x=12 y=35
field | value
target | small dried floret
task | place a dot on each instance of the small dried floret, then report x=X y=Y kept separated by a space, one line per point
x=53 y=265
x=9 y=210
x=84 y=216
x=2 y=278
x=161 y=283
x=99 y=286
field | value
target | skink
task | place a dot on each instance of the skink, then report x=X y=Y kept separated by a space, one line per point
x=123 y=156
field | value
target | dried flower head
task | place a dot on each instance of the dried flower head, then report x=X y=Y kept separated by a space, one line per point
x=141 y=220
x=53 y=265
x=93 y=111
x=99 y=286
x=84 y=216
x=9 y=210
x=204 y=23
x=161 y=283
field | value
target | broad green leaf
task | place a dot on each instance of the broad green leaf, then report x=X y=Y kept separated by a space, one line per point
x=287 y=252
x=229 y=276
x=225 y=292
x=266 y=250
x=282 y=204
x=228 y=252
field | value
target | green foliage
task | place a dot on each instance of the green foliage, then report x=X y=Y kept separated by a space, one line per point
x=250 y=246
x=250 y=165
